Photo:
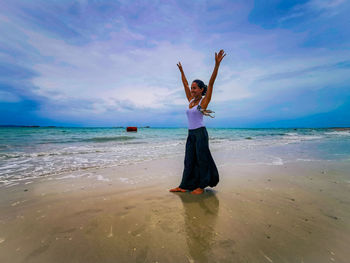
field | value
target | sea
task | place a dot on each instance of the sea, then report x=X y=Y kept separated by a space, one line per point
x=33 y=152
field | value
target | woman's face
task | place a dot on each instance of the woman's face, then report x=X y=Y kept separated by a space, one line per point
x=195 y=90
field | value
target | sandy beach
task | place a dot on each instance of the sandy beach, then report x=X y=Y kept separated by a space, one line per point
x=295 y=212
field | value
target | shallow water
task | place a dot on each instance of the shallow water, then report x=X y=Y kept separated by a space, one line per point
x=34 y=152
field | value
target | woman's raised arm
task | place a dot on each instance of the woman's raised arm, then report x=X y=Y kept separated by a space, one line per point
x=185 y=83
x=207 y=98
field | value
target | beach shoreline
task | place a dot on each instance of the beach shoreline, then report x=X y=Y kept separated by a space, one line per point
x=293 y=212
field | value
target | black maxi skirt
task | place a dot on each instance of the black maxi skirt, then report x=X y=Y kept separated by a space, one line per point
x=200 y=169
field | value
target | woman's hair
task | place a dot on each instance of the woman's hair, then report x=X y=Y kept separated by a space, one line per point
x=201 y=85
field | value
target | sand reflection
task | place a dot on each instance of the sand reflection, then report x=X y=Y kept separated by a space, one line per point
x=200 y=212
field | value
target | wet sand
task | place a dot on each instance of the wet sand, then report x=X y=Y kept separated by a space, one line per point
x=296 y=212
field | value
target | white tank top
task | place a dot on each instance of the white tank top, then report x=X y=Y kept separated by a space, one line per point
x=194 y=117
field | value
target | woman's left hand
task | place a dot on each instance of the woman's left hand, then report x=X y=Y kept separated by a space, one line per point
x=220 y=56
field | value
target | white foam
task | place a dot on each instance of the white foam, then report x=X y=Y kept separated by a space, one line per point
x=299 y=137
x=8 y=166
x=72 y=176
x=277 y=161
x=291 y=133
x=304 y=160
x=66 y=177
x=101 y=178
x=11 y=184
x=124 y=179
x=342 y=133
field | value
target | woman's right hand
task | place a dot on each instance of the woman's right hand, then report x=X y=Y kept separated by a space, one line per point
x=179 y=66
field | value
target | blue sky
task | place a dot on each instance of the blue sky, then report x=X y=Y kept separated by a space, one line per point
x=113 y=63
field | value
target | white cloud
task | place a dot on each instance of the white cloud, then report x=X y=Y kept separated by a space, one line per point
x=324 y=4
x=102 y=70
x=315 y=8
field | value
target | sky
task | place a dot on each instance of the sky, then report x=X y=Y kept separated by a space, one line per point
x=113 y=63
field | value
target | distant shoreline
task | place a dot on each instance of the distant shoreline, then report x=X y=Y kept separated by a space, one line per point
x=53 y=126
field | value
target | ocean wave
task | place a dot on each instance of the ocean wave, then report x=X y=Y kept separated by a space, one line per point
x=341 y=133
x=57 y=141
x=94 y=139
x=45 y=154
x=277 y=161
x=5 y=156
x=107 y=139
x=301 y=137
x=291 y=133
x=268 y=134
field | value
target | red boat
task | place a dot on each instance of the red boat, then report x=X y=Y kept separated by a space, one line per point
x=131 y=129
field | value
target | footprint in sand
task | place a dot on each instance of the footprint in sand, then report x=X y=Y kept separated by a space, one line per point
x=91 y=227
x=122 y=213
x=139 y=230
x=87 y=211
x=110 y=233
x=37 y=252
x=227 y=243
x=142 y=255
x=166 y=228
x=61 y=230
x=129 y=207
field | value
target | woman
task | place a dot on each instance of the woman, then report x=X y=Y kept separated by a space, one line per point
x=200 y=170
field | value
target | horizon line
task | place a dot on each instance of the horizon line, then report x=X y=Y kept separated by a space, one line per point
x=170 y=127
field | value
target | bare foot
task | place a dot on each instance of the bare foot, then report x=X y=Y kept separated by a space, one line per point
x=178 y=189
x=197 y=191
